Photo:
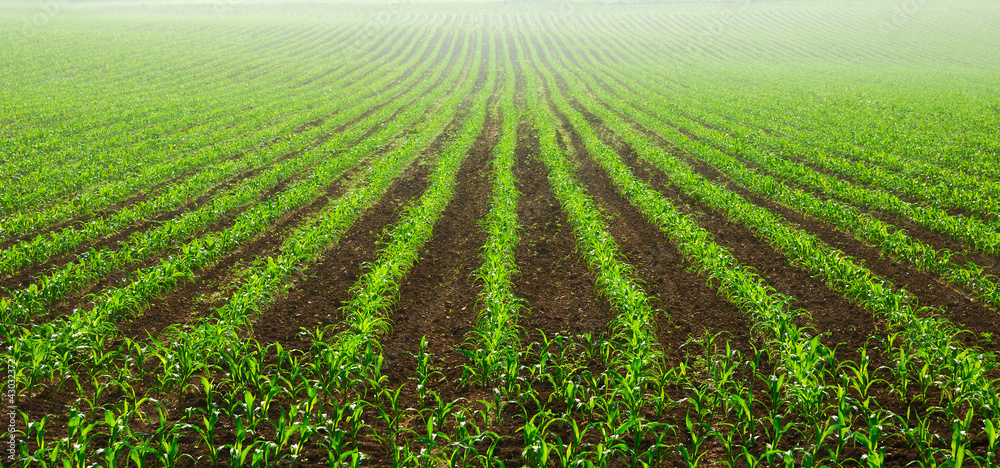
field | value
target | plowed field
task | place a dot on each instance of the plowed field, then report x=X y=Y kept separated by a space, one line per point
x=683 y=234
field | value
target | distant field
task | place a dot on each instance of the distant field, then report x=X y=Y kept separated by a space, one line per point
x=684 y=234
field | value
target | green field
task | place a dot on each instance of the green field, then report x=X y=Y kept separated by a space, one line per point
x=719 y=233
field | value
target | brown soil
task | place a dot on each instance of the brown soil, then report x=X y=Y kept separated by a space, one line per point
x=317 y=299
x=438 y=297
x=334 y=275
x=554 y=279
x=690 y=307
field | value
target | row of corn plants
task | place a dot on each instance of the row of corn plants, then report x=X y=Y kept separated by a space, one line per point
x=96 y=197
x=44 y=247
x=267 y=406
x=887 y=238
x=371 y=298
x=969 y=187
x=863 y=226
x=248 y=133
x=804 y=378
x=97 y=126
x=367 y=310
x=134 y=151
x=811 y=380
x=928 y=346
x=494 y=344
x=96 y=324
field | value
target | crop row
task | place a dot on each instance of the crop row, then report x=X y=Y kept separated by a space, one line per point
x=89 y=329
x=211 y=148
x=863 y=226
x=494 y=345
x=173 y=130
x=182 y=358
x=930 y=341
x=42 y=248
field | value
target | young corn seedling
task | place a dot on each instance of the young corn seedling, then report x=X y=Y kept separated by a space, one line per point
x=775 y=428
x=391 y=414
x=992 y=429
x=242 y=448
x=699 y=433
x=958 y=446
x=286 y=427
x=169 y=451
x=265 y=455
x=298 y=449
x=871 y=440
x=206 y=431
x=860 y=377
x=736 y=436
x=118 y=434
x=142 y=451
x=917 y=433
x=468 y=439
x=425 y=371
x=571 y=452
x=433 y=439
x=537 y=448
x=821 y=432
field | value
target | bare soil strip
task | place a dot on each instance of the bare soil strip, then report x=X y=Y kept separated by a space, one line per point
x=438 y=297
x=317 y=299
x=554 y=279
